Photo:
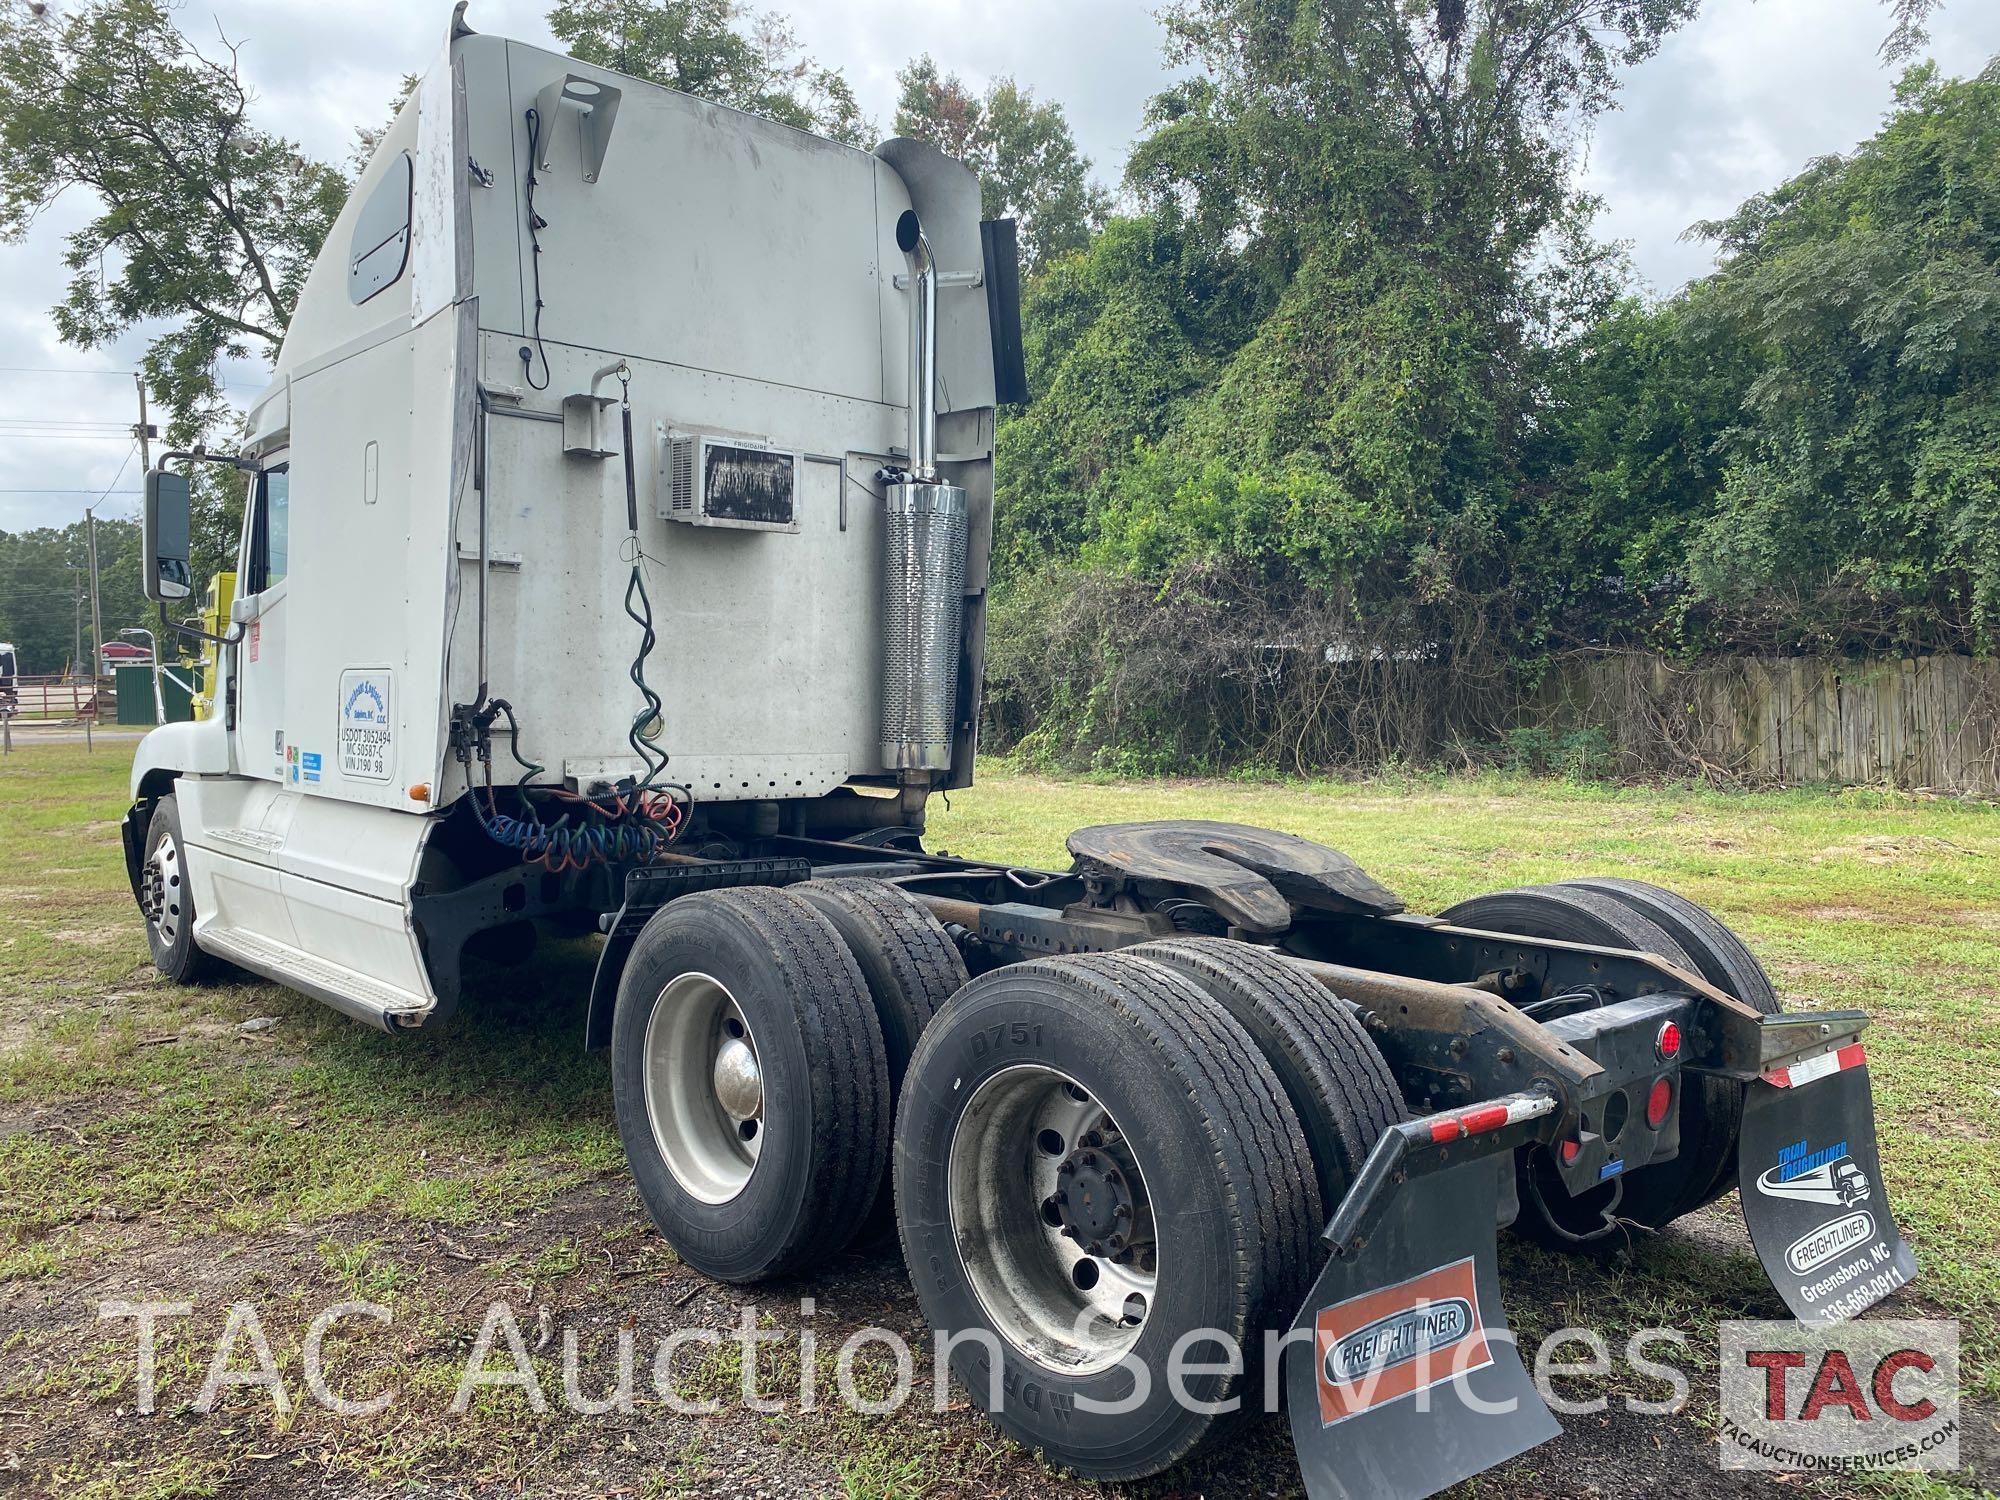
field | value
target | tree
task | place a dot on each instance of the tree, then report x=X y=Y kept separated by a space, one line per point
x=45 y=590
x=368 y=137
x=1859 y=505
x=1389 y=188
x=718 y=50
x=202 y=219
x=1022 y=152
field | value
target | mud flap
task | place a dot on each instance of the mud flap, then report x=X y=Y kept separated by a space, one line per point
x=1403 y=1377
x=1810 y=1179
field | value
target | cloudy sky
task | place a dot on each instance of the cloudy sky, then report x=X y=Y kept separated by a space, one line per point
x=1733 y=103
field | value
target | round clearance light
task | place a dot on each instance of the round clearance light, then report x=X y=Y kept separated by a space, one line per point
x=1668 y=1043
x=1658 y=1102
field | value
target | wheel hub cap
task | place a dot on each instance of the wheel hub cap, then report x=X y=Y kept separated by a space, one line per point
x=1052 y=1220
x=161 y=896
x=1094 y=1202
x=739 y=1086
x=704 y=1087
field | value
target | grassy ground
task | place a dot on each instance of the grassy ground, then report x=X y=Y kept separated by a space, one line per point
x=151 y=1146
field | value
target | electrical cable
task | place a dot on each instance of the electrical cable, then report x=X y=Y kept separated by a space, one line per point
x=635 y=827
x=629 y=825
x=651 y=716
x=536 y=224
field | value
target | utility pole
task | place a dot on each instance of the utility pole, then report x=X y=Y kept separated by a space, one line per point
x=96 y=608
x=144 y=430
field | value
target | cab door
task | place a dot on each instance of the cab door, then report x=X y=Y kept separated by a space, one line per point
x=260 y=611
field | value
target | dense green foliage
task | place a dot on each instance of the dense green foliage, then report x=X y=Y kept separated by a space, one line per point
x=45 y=591
x=1802 y=450
x=1357 y=390
x=202 y=217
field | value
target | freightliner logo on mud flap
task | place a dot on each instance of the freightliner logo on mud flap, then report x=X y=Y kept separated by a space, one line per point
x=1384 y=1345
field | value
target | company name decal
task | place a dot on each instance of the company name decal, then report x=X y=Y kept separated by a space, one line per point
x=1384 y=1345
x=1828 y=1175
x=1399 y=1338
x=1830 y=1241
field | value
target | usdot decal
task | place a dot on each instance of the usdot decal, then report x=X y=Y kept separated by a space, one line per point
x=1384 y=1345
x=366 y=730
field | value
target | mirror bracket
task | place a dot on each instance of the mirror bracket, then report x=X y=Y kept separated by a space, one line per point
x=195 y=633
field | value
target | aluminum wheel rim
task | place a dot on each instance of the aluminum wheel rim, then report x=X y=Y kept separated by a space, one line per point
x=704 y=1088
x=1025 y=1256
x=163 y=892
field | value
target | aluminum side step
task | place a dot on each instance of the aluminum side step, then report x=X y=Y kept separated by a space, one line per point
x=352 y=994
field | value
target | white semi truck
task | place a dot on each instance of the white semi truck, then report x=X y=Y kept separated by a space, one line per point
x=616 y=557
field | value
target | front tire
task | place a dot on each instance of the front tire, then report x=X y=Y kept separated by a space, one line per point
x=166 y=899
x=1055 y=1113
x=751 y=1087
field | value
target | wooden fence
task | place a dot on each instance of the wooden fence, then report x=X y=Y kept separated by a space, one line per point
x=1920 y=722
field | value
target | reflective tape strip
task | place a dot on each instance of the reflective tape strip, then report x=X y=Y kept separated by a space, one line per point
x=1798 y=1075
x=1491 y=1117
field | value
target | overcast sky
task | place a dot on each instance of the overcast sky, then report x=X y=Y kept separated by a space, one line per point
x=1733 y=103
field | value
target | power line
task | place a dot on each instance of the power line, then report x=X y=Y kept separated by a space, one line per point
x=62 y=370
x=234 y=385
x=105 y=493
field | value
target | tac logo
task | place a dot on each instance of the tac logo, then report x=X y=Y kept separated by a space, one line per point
x=1846 y=1398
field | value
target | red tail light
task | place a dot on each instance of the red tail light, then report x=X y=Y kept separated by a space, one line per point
x=1570 y=1151
x=1659 y=1102
x=1668 y=1043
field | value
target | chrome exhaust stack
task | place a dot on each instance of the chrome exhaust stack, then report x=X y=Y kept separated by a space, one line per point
x=923 y=567
x=912 y=241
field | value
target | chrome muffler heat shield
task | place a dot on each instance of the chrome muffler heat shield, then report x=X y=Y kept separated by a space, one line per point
x=923 y=603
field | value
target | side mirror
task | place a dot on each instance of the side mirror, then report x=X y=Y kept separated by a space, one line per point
x=165 y=526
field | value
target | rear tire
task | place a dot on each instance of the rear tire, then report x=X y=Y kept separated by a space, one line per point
x=1710 y=1108
x=1336 y=1080
x=751 y=1087
x=911 y=966
x=1725 y=961
x=166 y=899
x=1198 y=1126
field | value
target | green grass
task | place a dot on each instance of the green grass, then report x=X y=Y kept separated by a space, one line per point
x=145 y=1143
